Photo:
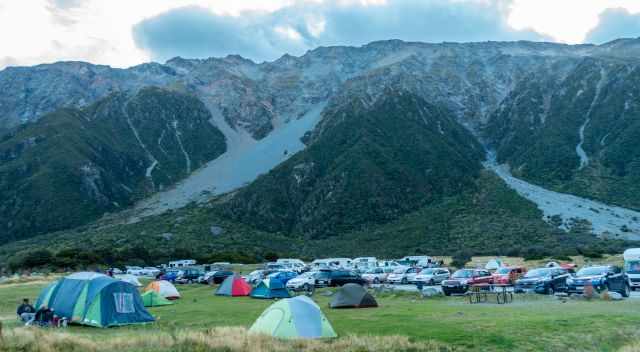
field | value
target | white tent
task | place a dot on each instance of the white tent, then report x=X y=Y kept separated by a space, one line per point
x=130 y=279
x=164 y=288
x=552 y=265
x=494 y=264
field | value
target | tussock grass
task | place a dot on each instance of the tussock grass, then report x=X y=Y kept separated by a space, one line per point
x=228 y=339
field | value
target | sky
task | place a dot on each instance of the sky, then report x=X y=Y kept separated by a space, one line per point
x=123 y=33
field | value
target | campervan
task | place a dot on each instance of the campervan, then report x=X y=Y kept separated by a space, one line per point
x=392 y=264
x=182 y=263
x=417 y=260
x=296 y=265
x=331 y=263
x=364 y=263
x=632 y=267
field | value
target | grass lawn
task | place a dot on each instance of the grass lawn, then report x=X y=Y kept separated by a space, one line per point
x=530 y=323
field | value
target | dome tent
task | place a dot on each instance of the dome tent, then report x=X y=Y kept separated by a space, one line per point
x=270 y=288
x=94 y=299
x=153 y=299
x=164 y=288
x=353 y=296
x=494 y=264
x=130 y=279
x=234 y=286
x=293 y=318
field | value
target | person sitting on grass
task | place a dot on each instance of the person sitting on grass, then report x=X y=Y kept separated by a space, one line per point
x=25 y=311
x=43 y=317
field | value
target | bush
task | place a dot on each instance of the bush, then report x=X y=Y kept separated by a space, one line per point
x=460 y=259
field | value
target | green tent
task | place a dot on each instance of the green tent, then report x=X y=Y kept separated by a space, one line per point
x=154 y=299
x=293 y=318
x=94 y=299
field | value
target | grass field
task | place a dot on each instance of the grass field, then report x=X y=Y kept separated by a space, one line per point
x=199 y=320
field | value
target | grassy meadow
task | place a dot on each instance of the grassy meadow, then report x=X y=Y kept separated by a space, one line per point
x=201 y=321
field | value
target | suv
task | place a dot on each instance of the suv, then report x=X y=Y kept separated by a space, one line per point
x=508 y=275
x=609 y=277
x=432 y=276
x=377 y=275
x=462 y=279
x=305 y=281
x=342 y=277
x=543 y=280
x=187 y=276
x=403 y=276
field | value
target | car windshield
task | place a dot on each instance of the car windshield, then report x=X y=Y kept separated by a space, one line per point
x=307 y=275
x=373 y=271
x=399 y=271
x=503 y=271
x=427 y=272
x=594 y=270
x=632 y=266
x=538 y=273
x=463 y=274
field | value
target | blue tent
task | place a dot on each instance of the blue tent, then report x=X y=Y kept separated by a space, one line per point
x=95 y=299
x=269 y=288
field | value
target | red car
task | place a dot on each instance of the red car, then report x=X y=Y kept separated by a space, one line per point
x=462 y=279
x=508 y=275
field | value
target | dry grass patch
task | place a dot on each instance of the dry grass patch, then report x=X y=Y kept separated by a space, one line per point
x=230 y=339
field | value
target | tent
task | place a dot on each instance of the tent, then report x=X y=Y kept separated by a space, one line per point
x=293 y=318
x=164 y=288
x=268 y=288
x=130 y=279
x=234 y=286
x=352 y=296
x=494 y=264
x=94 y=299
x=153 y=299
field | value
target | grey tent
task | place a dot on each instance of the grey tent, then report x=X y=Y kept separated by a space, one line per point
x=353 y=296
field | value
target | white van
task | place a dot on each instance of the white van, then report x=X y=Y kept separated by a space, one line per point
x=331 y=263
x=392 y=264
x=296 y=265
x=632 y=266
x=364 y=263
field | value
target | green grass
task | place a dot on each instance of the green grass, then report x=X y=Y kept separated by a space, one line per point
x=531 y=323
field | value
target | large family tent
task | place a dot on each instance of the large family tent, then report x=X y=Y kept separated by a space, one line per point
x=293 y=318
x=153 y=299
x=234 y=286
x=164 y=288
x=94 y=299
x=353 y=296
x=270 y=289
x=130 y=279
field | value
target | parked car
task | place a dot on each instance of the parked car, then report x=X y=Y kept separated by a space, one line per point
x=151 y=271
x=508 y=275
x=432 y=276
x=609 y=277
x=283 y=276
x=188 y=276
x=303 y=282
x=543 y=280
x=403 y=276
x=377 y=275
x=274 y=266
x=216 y=277
x=462 y=279
x=171 y=275
x=342 y=277
x=135 y=270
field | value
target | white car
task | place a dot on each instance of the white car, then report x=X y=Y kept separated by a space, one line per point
x=377 y=275
x=135 y=270
x=403 y=276
x=304 y=281
x=151 y=271
x=432 y=276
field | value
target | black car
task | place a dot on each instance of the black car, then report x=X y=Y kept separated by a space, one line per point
x=187 y=276
x=601 y=277
x=342 y=277
x=219 y=276
x=543 y=280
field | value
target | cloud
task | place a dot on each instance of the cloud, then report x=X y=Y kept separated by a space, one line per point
x=615 y=24
x=198 y=32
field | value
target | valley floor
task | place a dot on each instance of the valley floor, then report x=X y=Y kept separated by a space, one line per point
x=201 y=321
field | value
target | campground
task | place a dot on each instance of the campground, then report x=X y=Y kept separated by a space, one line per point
x=194 y=323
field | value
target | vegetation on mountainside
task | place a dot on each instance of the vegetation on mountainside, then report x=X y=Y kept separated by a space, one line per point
x=536 y=131
x=72 y=166
x=368 y=165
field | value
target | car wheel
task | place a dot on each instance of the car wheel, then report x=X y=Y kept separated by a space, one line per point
x=376 y=281
x=446 y=293
x=431 y=282
x=404 y=281
x=550 y=291
x=626 y=291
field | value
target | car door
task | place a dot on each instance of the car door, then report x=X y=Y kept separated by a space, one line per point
x=559 y=279
x=411 y=274
x=615 y=278
x=440 y=276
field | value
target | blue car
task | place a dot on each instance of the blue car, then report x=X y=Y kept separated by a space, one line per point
x=601 y=277
x=283 y=276
x=543 y=280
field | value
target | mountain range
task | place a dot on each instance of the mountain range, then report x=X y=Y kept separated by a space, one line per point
x=379 y=143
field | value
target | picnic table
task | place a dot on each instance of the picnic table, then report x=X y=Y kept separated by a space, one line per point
x=480 y=293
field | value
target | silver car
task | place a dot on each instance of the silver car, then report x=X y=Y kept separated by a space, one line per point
x=432 y=276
